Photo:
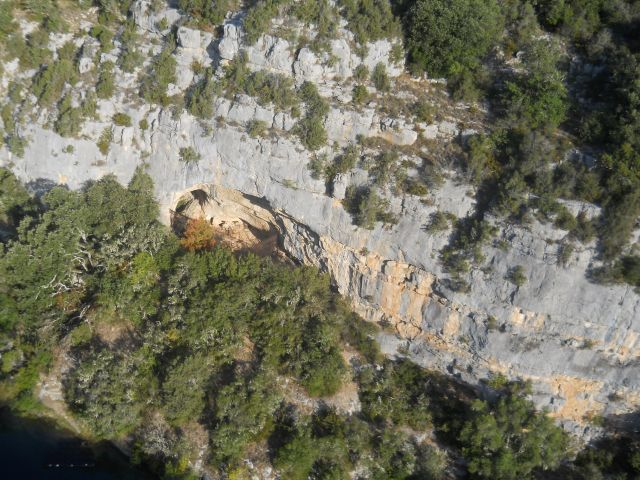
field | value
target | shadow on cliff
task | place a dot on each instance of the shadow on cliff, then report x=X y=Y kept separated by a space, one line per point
x=41 y=186
x=628 y=423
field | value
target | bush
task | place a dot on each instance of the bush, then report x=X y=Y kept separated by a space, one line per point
x=271 y=88
x=143 y=124
x=256 y=128
x=34 y=53
x=311 y=129
x=424 y=111
x=439 y=222
x=105 y=88
x=205 y=13
x=130 y=57
x=538 y=98
x=49 y=84
x=367 y=207
x=360 y=95
x=69 y=121
x=104 y=36
x=396 y=392
x=188 y=155
x=324 y=18
x=517 y=276
x=104 y=142
x=201 y=97
x=122 y=120
x=361 y=73
x=161 y=74
x=565 y=220
x=370 y=20
x=380 y=78
x=258 y=19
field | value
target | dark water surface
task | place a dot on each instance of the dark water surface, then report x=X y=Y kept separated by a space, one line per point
x=36 y=449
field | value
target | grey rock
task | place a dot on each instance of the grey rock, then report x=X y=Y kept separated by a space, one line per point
x=188 y=38
x=229 y=45
x=307 y=66
x=271 y=54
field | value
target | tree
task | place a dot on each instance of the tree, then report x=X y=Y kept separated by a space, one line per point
x=537 y=99
x=441 y=34
x=509 y=439
x=198 y=235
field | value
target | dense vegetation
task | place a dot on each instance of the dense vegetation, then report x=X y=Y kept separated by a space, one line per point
x=167 y=337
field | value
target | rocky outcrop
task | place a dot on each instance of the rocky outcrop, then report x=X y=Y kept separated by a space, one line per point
x=578 y=342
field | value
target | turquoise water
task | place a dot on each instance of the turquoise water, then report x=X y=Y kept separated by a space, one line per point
x=38 y=450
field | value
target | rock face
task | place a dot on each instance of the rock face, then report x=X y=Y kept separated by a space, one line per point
x=578 y=342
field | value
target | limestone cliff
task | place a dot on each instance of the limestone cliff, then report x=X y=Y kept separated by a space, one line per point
x=577 y=341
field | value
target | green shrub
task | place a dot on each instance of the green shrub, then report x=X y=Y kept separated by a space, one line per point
x=34 y=53
x=480 y=158
x=257 y=128
x=415 y=187
x=161 y=74
x=105 y=88
x=439 y=222
x=323 y=16
x=538 y=98
x=396 y=392
x=370 y=20
x=584 y=231
x=380 y=78
x=310 y=129
x=270 y=88
x=361 y=73
x=188 y=155
x=424 y=111
x=143 y=124
x=104 y=36
x=517 y=276
x=122 y=120
x=50 y=82
x=7 y=23
x=70 y=119
x=360 y=95
x=201 y=97
x=206 y=13
x=258 y=18
x=565 y=220
x=367 y=207
x=16 y=144
x=565 y=251
x=104 y=142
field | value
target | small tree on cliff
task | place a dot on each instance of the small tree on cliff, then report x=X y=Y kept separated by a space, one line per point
x=198 y=235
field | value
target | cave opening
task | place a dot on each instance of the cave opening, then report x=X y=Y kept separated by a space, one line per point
x=239 y=222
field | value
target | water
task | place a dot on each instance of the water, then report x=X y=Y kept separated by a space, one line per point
x=36 y=449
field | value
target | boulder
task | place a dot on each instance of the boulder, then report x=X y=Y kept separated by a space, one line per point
x=270 y=53
x=307 y=67
x=229 y=45
x=188 y=38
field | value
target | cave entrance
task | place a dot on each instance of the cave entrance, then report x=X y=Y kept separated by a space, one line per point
x=240 y=222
